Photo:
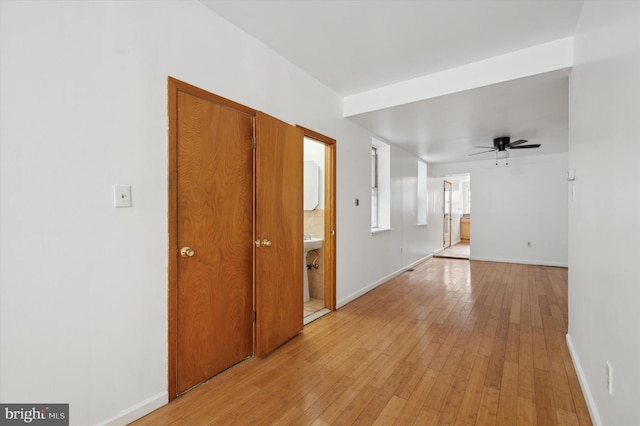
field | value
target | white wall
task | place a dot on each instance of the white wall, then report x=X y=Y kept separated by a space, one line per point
x=370 y=258
x=512 y=205
x=604 y=219
x=84 y=95
x=83 y=286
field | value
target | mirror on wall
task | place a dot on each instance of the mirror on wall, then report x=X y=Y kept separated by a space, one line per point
x=311 y=187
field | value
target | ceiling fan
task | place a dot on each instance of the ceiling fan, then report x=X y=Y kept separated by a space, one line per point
x=501 y=144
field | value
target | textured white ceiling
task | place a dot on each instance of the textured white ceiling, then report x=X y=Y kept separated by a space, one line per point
x=354 y=46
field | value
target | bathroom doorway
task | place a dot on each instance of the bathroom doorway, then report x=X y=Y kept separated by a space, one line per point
x=319 y=226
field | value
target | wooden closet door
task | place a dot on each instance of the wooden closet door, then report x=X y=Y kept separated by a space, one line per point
x=279 y=233
x=214 y=241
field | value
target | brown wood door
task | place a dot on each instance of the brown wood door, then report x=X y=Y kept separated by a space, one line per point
x=279 y=280
x=214 y=214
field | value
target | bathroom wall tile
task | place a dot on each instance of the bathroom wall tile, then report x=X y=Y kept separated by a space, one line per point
x=314 y=223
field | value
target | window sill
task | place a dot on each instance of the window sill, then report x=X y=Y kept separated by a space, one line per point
x=379 y=230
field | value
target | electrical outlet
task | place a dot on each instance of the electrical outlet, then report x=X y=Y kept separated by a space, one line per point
x=609 y=378
x=121 y=196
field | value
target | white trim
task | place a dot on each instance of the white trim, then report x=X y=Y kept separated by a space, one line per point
x=375 y=284
x=582 y=379
x=138 y=410
x=523 y=261
x=379 y=230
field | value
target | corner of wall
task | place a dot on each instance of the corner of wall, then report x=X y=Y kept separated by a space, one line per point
x=353 y=296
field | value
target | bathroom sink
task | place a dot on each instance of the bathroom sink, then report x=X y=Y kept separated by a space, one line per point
x=312 y=244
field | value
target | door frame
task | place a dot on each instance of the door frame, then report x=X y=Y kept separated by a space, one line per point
x=444 y=212
x=329 y=266
x=174 y=86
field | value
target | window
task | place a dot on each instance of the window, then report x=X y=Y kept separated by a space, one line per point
x=422 y=196
x=380 y=186
x=374 y=187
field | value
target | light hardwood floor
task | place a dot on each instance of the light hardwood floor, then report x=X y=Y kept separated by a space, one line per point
x=452 y=342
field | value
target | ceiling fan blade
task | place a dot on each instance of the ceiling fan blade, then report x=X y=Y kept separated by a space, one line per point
x=537 y=145
x=485 y=147
x=482 y=152
x=518 y=142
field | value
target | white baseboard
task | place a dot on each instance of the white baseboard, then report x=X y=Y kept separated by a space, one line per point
x=522 y=261
x=588 y=396
x=353 y=296
x=139 y=410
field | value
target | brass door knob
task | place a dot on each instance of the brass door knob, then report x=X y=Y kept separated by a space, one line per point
x=266 y=243
x=187 y=252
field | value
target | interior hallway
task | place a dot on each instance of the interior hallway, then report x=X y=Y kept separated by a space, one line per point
x=451 y=342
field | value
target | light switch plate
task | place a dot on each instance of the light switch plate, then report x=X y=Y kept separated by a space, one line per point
x=121 y=195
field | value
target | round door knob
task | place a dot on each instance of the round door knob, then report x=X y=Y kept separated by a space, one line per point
x=187 y=252
x=266 y=242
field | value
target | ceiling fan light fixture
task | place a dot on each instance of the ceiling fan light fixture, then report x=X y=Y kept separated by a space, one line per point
x=503 y=144
x=502 y=155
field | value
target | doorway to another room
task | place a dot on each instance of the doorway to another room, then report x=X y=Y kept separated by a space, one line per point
x=456 y=211
x=319 y=226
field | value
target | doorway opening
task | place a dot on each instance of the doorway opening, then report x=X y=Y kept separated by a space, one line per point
x=447 y=221
x=319 y=226
x=456 y=217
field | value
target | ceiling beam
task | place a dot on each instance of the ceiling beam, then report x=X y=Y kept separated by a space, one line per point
x=527 y=62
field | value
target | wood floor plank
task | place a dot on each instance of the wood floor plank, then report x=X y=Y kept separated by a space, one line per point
x=513 y=343
x=508 y=402
x=526 y=412
x=545 y=403
x=540 y=358
x=582 y=411
x=391 y=411
x=416 y=400
x=488 y=407
x=473 y=393
x=342 y=400
x=452 y=342
x=353 y=410
x=526 y=382
x=451 y=407
x=566 y=418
